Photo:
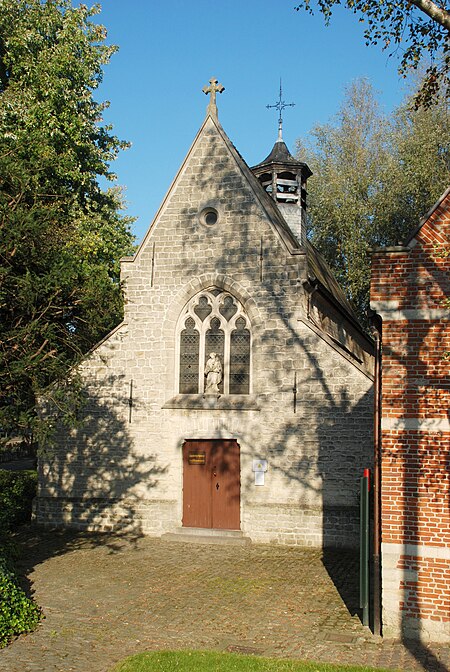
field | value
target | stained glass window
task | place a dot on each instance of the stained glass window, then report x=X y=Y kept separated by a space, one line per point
x=228 y=308
x=202 y=309
x=214 y=321
x=189 y=358
x=240 y=359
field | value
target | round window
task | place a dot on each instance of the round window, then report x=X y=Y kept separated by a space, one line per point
x=209 y=216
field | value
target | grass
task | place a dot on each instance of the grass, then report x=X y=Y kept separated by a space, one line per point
x=214 y=661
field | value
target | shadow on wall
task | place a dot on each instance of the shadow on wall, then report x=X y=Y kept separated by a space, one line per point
x=423 y=462
x=326 y=489
x=334 y=423
x=101 y=477
x=97 y=478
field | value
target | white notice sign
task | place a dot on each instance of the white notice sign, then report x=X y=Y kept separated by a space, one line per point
x=259 y=478
x=259 y=465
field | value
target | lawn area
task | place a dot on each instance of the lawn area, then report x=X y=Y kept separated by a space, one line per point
x=214 y=661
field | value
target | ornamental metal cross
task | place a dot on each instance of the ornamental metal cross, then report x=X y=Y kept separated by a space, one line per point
x=280 y=105
x=213 y=88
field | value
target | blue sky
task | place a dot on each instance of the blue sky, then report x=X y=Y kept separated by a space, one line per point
x=169 y=51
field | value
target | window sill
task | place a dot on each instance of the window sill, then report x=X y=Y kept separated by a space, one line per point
x=212 y=402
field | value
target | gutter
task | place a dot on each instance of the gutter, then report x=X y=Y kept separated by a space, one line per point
x=377 y=332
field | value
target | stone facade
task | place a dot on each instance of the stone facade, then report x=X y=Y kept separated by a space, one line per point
x=410 y=291
x=121 y=467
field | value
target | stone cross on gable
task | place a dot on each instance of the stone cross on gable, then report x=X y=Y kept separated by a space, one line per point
x=213 y=88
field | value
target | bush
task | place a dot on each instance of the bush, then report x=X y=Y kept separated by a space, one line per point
x=18 y=613
x=17 y=490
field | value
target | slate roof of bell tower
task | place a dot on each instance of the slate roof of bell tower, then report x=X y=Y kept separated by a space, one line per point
x=280 y=154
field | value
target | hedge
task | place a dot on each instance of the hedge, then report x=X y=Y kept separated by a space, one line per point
x=18 y=613
x=17 y=490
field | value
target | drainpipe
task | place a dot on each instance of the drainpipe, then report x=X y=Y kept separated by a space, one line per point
x=377 y=331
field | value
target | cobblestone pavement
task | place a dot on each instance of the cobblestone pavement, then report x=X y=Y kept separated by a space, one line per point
x=106 y=597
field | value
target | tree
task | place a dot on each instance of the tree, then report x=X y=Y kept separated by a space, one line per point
x=349 y=159
x=418 y=27
x=374 y=177
x=61 y=234
x=420 y=150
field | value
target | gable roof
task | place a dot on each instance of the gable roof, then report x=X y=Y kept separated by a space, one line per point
x=318 y=270
x=274 y=216
x=267 y=203
x=424 y=219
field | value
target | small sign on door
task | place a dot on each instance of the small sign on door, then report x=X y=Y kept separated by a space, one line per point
x=198 y=457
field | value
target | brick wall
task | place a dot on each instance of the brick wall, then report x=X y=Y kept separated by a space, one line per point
x=410 y=289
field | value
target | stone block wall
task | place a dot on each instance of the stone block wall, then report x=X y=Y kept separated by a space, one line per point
x=132 y=457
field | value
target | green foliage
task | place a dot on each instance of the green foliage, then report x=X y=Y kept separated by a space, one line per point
x=17 y=491
x=374 y=178
x=420 y=150
x=18 y=613
x=348 y=160
x=415 y=31
x=215 y=661
x=61 y=234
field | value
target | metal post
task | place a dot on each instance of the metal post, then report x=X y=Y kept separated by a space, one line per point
x=261 y=260
x=294 y=390
x=364 y=548
x=153 y=266
x=130 y=401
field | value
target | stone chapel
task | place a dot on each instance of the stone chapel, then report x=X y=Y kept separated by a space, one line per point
x=235 y=398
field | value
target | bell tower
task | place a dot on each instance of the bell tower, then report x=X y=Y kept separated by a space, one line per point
x=284 y=179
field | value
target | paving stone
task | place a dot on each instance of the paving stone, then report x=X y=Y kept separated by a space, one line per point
x=105 y=597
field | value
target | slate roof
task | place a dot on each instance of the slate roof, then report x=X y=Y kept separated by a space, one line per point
x=318 y=269
x=281 y=154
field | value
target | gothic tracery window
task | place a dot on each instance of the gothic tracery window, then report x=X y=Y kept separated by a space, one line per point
x=214 y=321
x=189 y=357
x=239 y=358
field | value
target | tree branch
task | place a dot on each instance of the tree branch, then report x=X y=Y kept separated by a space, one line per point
x=441 y=16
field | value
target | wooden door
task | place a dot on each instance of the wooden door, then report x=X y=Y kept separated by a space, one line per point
x=211 y=484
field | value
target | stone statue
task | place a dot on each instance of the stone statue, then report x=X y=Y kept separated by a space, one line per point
x=213 y=373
